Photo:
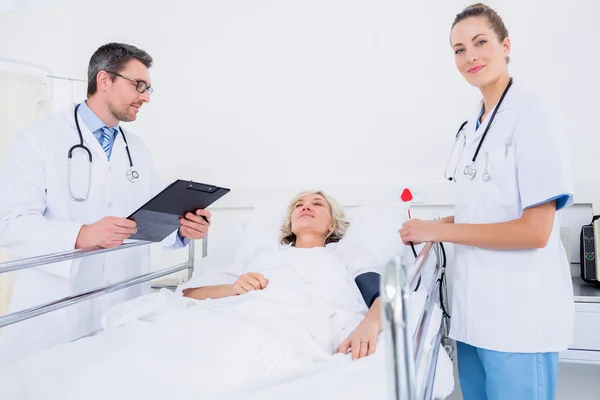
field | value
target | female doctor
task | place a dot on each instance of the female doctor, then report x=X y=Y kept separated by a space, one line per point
x=512 y=308
x=69 y=182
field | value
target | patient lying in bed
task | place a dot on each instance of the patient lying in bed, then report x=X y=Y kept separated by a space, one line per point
x=307 y=262
x=291 y=310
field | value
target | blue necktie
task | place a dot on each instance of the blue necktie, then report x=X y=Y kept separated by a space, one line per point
x=107 y=138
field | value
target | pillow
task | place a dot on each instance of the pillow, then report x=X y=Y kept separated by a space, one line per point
x=261 y=232
x=375 y=228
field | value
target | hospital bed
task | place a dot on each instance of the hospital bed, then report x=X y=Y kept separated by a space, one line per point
x=405 y=375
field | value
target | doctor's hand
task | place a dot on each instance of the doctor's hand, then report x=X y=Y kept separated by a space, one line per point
x=107 y=232
x=418 y=231
x=194 y=226
x=248 y=282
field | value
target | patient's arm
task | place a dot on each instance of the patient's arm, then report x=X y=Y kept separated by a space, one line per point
x=209 y=292
x=448 y=220
x=245 y=283
x=363 y=341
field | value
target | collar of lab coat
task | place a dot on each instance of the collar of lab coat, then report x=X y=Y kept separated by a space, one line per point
x=90 y=140
x=510 y=100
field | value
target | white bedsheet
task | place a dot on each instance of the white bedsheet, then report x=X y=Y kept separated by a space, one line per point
x=366 y=378
x=264 y=343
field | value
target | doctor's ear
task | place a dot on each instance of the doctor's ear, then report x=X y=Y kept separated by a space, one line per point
x=103 y=80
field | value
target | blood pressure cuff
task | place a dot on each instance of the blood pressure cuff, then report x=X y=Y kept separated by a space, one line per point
x=368 y=284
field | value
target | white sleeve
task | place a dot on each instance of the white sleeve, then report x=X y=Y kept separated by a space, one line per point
x=24 y=230
x=213 y=270
x=542 y=162
x=357 y=259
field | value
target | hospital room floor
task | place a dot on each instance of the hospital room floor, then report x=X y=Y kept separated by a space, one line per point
x=575 y=381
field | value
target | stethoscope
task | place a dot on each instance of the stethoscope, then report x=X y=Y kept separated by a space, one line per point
x=471 y=170
x=132 y=174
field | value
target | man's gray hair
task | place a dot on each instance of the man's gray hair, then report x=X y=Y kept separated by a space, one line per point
x=113 y=57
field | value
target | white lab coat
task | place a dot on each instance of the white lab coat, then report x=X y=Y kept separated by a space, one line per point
x=512 y=300
x=38 y=216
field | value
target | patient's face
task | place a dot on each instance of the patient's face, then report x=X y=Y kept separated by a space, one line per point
x=312 y=214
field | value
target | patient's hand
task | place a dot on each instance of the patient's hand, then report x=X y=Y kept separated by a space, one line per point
x=244 y=284
x=248 y=282
x=363 y=340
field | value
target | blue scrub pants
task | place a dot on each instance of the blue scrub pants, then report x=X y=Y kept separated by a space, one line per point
x=492 y=375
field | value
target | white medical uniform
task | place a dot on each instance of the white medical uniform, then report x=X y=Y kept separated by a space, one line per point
x=512 y=300
x=39 y=216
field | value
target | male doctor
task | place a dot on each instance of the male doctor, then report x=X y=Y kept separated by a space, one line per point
x=53 y=199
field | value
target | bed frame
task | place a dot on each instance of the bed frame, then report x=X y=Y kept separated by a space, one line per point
x=403 y=348
x=40 y=309
x=404 y=344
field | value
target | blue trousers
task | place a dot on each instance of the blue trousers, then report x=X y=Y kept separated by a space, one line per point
x=492 y=375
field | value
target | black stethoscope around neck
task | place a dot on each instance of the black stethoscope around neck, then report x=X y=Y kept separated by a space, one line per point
x=132 y=174
x=471 y=170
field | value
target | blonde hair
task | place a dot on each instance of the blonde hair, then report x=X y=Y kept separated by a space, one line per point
x=338 y=219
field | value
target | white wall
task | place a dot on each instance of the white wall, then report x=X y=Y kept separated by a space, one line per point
x=315 y=92
x=11 y=5
x=362 y=95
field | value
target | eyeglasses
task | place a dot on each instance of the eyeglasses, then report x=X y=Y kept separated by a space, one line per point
x=141 y=86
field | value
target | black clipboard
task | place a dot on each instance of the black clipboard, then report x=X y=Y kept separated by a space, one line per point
x=159 y=217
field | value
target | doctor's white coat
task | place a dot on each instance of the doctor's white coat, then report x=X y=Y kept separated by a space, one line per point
x=512 y=300
x=39 y=216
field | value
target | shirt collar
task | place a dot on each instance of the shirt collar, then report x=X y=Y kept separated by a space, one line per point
x=91 y=120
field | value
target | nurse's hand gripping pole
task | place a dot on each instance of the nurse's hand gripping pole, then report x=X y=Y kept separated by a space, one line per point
x=407 y=197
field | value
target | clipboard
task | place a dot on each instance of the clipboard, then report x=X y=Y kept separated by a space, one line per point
x=159 y=217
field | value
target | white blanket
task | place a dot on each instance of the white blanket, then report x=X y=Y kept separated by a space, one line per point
x=166 y=345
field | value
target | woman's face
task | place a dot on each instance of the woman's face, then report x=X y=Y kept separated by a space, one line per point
x=479 y=56
x=312 y=214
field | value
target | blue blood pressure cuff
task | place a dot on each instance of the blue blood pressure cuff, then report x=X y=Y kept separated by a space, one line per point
x=368 y=284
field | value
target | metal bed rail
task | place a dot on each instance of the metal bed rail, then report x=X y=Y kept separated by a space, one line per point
x=46 y=259
x=405 y=344
x=40 y=309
